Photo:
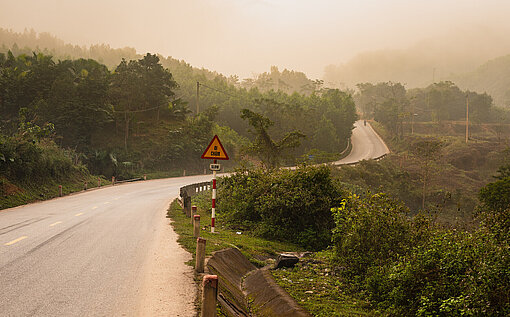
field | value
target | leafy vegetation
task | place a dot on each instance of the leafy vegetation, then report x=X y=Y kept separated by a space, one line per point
x=282 y=205
x=395 y=107
x=105 y=115
x=384 y=259
x=258 y=250
x=320 y=289
x=38 y=166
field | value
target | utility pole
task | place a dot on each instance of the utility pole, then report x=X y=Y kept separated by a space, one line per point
x=198 y=91
x=467 y=117
x=412 y=121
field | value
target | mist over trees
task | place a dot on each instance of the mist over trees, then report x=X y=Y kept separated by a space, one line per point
x=478 y=62
x=105 y=115
x=392 y=104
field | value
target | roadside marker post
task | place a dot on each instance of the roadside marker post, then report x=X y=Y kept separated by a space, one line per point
x=214 y=151
x=200 y=255
x=196 y=226
x=193 y=213
x=209 y=295
x=59 y=190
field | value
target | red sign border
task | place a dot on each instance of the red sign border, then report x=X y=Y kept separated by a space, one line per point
x=209 y=146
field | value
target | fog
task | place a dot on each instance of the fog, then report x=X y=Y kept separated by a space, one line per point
x=246 y=37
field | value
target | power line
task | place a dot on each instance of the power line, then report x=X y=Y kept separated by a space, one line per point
x=142 y=110
x=134 y=111
x=218 y=90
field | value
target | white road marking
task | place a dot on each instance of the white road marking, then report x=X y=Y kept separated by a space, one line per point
x=16 y=240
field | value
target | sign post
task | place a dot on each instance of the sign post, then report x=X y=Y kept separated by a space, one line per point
x=214 y=151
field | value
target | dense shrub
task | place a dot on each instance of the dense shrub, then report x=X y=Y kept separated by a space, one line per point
x=454 y=274
x=283 y=204
x=410 y=267
x=496 y=196
x=370 y=231
x=25 y=160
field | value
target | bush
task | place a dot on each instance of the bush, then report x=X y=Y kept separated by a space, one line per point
x=370 y=231
x=454 y=274
x=25 y=160
x=284 y=205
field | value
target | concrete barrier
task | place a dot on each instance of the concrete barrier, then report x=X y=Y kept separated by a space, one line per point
x=230 y=265
x=245 y=290
x=267 y=298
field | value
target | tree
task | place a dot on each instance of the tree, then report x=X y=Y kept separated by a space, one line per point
x=77 y=102
x=25 y=80
x=325 y=138
x=494 y=210
x=388 y=102
x=427 y=152
x=496 y=196
x=267 y=150
x=139 y=86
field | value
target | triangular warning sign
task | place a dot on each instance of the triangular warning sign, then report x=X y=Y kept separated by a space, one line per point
x=215 y=150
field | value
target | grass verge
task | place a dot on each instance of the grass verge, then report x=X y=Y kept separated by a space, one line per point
x=13 y=195
x=259 y=251
x=319 y=288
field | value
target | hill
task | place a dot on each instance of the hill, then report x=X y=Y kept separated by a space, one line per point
x=451 y=57
x=492 y=77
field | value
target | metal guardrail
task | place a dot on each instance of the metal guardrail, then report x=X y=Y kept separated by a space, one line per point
x=128 y=180
x=188 y=191
x=192 y=189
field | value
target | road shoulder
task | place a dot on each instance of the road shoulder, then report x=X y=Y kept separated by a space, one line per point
x=169 y=288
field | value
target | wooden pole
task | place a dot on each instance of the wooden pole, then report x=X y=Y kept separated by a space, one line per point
x=198 y=96
x=467 y=118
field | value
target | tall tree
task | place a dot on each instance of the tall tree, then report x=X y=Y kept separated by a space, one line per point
x=140 y=86
x=78 y=102
x=270 y=152
x=427 y=152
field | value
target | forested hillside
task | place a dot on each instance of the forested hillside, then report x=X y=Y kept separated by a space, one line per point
x=492 y=77
x=141 y=115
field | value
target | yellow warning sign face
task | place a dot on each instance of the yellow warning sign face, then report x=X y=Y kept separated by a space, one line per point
x=215 y=150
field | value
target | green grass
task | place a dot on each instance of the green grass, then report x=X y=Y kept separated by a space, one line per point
x=12 y=195
x=319 y=289
x=259 y=251
x=311 y=274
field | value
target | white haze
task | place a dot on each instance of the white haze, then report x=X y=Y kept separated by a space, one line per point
x=246 y=37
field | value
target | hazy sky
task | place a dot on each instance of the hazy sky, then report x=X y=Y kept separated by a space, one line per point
x=248 y=36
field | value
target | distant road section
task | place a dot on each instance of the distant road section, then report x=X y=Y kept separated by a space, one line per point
x=366 y=144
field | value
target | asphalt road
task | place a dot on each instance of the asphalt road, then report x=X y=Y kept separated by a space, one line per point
x=366 y=144
x=84 y=254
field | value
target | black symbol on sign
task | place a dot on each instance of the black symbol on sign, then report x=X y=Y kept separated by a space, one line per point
x=215 y=147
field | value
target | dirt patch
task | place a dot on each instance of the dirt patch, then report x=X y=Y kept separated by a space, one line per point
x=169 y=289
x=7 y=189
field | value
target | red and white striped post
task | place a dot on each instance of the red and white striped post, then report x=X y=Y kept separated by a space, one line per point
x=214 y=151
x=213 y=210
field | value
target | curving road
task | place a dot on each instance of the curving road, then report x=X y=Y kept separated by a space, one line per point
x=91 y=254
x=108 y=252
x=366 y=144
